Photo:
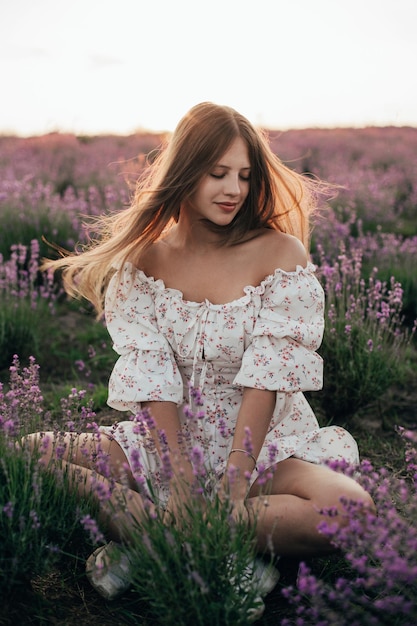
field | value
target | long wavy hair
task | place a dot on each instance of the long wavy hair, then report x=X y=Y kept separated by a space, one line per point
x=278 y=198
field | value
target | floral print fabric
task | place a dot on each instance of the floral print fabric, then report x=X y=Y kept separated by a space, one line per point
x=266 y=339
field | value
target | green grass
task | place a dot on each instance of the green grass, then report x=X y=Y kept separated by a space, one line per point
x=42 y=517
x=19 y=329
x=56 y=226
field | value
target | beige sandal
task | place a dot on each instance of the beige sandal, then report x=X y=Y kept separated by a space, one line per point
x=264 y=577
x=108 y=570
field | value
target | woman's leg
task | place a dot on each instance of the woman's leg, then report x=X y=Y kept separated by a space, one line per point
x=96 y=467
x=289 y=516
x=92 y=450
x=119 y=509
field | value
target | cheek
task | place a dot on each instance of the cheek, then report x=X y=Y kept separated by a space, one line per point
x=198 y=198
x=245 y=190
x=205 y=190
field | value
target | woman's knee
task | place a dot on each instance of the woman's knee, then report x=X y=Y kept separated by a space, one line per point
x=59 y=446
x=359 y=499
x=348 y=499
x=330 y=490
x=89 y=450
x=36 y=441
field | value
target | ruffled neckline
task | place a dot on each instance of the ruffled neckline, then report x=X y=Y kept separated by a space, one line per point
x=258 y=290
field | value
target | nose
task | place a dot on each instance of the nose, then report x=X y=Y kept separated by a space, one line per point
x=232 y=185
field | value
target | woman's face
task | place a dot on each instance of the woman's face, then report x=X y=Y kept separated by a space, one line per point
x=221 y=193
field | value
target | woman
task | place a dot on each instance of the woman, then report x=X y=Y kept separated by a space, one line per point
x=208 y=285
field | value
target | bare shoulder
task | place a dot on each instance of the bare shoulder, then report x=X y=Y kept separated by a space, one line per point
x=149 y=259
x=281 y=250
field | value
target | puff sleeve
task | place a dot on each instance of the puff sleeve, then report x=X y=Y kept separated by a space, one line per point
x=289 y=328
x=146 y=369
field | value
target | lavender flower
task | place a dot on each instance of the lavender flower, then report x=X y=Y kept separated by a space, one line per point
x=380 y=550
x=90 y=525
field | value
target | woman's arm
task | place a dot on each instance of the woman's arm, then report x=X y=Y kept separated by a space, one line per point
x=165 y=416
x=254 y=416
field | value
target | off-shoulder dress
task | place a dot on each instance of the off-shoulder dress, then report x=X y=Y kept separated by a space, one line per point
x=266 y=339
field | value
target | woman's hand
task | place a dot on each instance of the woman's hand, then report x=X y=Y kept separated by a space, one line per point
x=237 y=502
x=174 y=512
x=239 y=512
x=179 y=507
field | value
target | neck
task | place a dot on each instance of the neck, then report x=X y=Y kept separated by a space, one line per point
x=195 y=235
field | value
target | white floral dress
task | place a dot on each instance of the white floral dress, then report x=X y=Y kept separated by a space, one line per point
x=265 y=339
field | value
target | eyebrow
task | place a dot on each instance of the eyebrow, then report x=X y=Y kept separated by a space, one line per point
x=226 y=167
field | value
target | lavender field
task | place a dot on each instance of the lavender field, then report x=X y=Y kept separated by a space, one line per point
x=55 y=359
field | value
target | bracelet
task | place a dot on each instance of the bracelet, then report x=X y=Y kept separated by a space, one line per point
x=245 y=452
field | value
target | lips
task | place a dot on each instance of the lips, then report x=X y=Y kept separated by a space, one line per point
x=227 y=206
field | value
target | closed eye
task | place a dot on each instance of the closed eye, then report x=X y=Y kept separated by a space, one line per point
x=246 y=178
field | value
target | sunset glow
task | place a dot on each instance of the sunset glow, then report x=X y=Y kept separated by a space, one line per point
x=93 y=66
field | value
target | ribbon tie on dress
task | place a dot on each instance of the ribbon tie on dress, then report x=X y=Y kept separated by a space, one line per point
x=198 y=379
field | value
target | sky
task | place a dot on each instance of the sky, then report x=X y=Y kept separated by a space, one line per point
x=123 y=66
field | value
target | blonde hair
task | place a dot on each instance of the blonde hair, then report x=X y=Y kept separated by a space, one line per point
x=278 y=198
